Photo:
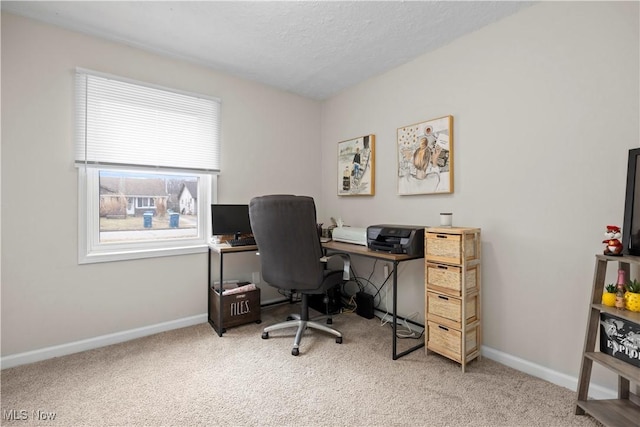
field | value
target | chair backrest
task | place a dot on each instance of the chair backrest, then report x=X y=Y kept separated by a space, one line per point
x=285 y=230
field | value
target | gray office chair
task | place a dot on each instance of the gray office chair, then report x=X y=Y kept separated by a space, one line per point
x=291 y=257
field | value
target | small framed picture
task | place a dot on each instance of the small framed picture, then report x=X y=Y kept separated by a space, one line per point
x=356 y=166
x=425 y=157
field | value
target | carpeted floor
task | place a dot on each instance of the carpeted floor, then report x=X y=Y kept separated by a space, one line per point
x=190 y=377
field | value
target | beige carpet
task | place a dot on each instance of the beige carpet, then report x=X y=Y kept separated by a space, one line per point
x=192 y=377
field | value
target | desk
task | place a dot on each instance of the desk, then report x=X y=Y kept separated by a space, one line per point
x=396 y=259
x=221 y=250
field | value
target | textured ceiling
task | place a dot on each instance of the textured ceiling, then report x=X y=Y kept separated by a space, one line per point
x=312 y=48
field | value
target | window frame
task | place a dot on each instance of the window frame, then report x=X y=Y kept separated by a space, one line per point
x=95 y=150
x=91 y=250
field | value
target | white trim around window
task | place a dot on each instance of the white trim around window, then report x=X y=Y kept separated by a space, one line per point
x=92 y=250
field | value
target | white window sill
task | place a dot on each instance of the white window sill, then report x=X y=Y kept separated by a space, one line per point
x=131 y=254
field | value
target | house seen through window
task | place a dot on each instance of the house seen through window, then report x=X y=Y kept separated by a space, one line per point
x=146 y=206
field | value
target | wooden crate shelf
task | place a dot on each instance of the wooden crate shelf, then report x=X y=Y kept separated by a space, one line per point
x=625 y=410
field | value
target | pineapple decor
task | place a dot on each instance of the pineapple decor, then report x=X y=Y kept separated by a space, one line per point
x=609 y=297
x=632 y=296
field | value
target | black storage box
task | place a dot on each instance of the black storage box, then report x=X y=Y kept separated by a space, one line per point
x=364 y=305
x=317 y=302
x=620 y=338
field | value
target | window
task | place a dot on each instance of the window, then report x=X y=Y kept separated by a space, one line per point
x=147 y=160
x=144 y=202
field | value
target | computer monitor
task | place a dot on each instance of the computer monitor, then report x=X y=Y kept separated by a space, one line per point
x=230 y=219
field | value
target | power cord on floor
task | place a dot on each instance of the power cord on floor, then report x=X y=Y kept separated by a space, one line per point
x=407 y=332
x=410 y=332
x=387 y=318
x=352 y=306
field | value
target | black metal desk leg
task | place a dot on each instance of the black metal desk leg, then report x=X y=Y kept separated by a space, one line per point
x=209 y=284
x=397 y=355
x=220 y=327
x=394 y=325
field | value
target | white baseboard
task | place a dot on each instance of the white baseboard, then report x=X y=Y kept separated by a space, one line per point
x=555 y=377
x=97 y=342
x=558 y=378
x=273 y=301
x=105 y=340
x=595 y=391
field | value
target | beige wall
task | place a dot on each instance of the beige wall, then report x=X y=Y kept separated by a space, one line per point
x=545 y=107
x=47 y=298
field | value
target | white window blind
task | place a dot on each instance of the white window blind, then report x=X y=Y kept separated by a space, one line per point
x=129 y=124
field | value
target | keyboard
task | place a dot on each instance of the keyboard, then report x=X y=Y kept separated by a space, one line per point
x=246 y=241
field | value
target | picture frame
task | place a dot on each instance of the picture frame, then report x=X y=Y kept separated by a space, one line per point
x=425 y=157
x=356 y=166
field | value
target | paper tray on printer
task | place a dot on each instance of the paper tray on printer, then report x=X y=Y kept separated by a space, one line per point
x=386 y=247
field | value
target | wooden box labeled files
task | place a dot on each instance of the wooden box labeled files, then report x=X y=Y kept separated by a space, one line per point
x=237 y=309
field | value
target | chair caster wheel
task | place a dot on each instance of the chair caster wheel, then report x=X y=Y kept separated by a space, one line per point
x=289 y=318
x=339 y=340
x=258 y=321
x=265 y=335
x=295 y=352
x=329 y=322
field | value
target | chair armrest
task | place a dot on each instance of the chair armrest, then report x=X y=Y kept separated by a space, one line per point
x=346 y=263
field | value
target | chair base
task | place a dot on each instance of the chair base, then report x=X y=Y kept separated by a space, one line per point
x=301 y=326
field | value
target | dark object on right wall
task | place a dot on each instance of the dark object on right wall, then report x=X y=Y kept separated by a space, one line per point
x=631 y=225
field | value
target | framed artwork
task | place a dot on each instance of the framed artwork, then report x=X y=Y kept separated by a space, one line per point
x=425 y=157
x=356 y=166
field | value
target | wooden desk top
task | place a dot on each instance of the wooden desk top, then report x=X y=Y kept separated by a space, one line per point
x=365 y=251
x=350 y=248
x=225 y=248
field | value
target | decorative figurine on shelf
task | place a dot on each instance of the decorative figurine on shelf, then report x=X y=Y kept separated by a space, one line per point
x=614 y=246
x=620 y=301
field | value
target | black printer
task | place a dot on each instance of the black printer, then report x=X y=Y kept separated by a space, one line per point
x=396 y=239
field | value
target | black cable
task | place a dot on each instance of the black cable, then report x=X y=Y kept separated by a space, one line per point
x=355 y=278
x=385 y=281
x=374 y=287
x=373 y=269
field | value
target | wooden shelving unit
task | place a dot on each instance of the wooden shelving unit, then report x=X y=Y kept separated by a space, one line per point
x=625 y=410
x=452 y=293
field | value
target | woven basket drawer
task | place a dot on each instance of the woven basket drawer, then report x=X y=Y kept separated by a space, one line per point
x=447 y=310
x=448 y=279
x=448 y=341
x=452 y=248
